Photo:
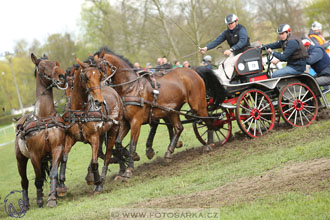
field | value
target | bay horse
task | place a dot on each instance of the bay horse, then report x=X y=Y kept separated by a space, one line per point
x=40 y=135
x=89 y=119
x=143 y=103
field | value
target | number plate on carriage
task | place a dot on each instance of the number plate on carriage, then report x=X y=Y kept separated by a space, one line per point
x=253 y=65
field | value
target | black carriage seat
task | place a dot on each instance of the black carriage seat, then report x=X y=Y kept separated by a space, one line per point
x=249 y=67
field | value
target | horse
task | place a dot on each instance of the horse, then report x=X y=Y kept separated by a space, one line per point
x=89 y=118
x=40 y=135
x=143 y=103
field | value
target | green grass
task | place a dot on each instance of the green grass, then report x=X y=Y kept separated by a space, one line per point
x=240 y=158
x=282 y=206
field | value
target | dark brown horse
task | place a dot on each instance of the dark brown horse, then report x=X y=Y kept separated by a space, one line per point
x=144 y=104
x=40 y=136
x=89 y=118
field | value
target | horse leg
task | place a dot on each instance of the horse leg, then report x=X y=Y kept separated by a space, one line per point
x=135 y=132
x=153 y=127
x=95 y=165
x=171 y=132
x=178 y=128
x=201 y=111
x=149 y=150
x=61 y=188
x=56 y=155
x=21 y=165
x=123 y=153
x=39 y=181
x=90 y=175
x=111 y=138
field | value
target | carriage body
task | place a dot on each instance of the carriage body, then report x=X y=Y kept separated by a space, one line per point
x=257 y=101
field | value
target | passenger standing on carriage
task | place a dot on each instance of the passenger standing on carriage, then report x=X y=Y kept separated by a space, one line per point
x=315 y=34
x=294 y=52
x=319 y=61
x=238 y=40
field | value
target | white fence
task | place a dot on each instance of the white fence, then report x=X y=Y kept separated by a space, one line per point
x=6 y=131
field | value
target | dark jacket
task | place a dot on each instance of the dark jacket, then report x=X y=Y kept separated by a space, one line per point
x=319 y=60
x=294 y=52
x=237 y=39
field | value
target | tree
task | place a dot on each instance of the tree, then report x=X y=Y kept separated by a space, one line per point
x=60 y=48
x=318 y=10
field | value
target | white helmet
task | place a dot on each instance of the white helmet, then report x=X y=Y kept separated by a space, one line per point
x=207 y=58
x=316 y=26
x=306 y=42
x=283 y=28
x=231 y=18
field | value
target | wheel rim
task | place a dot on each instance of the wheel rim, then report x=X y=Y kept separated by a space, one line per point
x=298 y=105
x=222 y=127
x=255 y=113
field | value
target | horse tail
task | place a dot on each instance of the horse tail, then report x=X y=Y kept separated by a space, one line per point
x=45 y=167
x=213 y=86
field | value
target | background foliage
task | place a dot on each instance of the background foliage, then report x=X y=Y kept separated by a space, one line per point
x=147 y=29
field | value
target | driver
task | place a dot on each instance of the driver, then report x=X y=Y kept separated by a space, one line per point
x=294 y=52
x=238 y=40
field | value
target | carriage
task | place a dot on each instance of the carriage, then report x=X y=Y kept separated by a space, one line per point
x=257 y=101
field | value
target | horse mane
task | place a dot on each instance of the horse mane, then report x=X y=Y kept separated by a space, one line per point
x=108 y=51
x=213 y=86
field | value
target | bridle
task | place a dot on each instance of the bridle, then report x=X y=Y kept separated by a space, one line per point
x=103 y=67
x=54 y=82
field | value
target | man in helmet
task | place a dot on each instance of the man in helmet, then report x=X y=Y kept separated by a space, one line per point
x=294 y=52
x=207 y=62
x=315 y=34
x=319 y=61
x=238 y=40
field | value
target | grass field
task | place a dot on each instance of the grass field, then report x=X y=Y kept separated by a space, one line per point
x=283 y=175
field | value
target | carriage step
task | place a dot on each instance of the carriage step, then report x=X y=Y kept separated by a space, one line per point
x=228 y=105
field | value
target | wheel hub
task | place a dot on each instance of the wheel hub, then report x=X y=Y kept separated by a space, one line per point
x=298 y=105
x=255 y=113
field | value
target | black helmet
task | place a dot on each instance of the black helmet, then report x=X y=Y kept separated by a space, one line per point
x=283 y=28
x=231 y=18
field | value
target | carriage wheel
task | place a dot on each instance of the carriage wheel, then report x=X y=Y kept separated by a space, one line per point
x=255 y=113
x=298 y=105
x=222 y=127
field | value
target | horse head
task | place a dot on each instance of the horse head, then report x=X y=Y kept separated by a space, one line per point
x=105 y=66
x=91 y=78
x=48 y=72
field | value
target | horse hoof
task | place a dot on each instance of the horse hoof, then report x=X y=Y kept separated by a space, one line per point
x=118 y=178
x=61 y=191
x=136 y=157
x=128 y=173
x=40 y=203
x=179 y=144
x=168 y=155
x=124 y=180
x=150 y=154
x=51 y=203
x=89 y=178
x=208 y=148
x=98 y=189
x=102 y=179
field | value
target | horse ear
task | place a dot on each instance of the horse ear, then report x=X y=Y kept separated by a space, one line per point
x=34 y=59
x=96 y=57
x=83 y=65
x=102 y=54
x=57 y=64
